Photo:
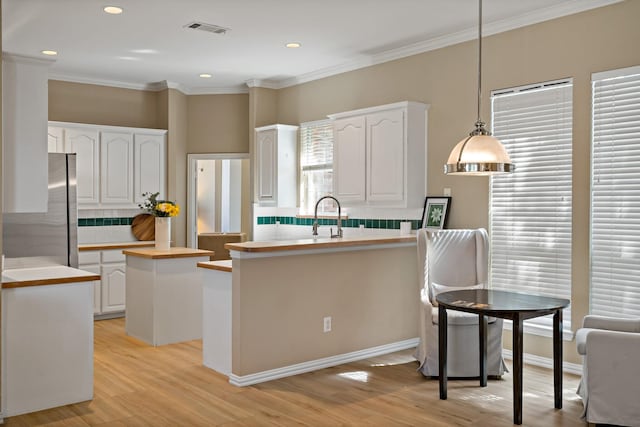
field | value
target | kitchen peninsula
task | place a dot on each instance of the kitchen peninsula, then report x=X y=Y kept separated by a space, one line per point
x=302 y=305
x=47 y=338
x=164 y=294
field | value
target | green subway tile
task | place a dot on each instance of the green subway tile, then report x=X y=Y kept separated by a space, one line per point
x=368 y=223
x=91 y=222
x=396 y=224
x=106 y=221
x=260 y=220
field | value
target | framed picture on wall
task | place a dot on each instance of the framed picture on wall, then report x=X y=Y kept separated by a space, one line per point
x=435 y=212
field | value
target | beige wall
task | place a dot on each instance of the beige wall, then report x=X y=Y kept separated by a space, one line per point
x=279 y=304
x=102 y=105
x=218 y=123
x=574 y=46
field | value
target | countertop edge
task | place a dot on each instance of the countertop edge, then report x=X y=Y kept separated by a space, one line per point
x=219 y=265
x=54 y=281
x=307 y=244
x=107 y=246
x=167 y=254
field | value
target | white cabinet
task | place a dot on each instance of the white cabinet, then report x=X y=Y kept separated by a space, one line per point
x=149 y=167
x=349 y=159
x=115 y=165
x=24 y=129
x=380 y=155
x=109 y=292
x=86 y=144
x=276 y=165
x=113 y=288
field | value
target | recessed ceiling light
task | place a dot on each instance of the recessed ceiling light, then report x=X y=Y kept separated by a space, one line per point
x=49 y=52
x=293 y=45
x=205 y=75
x=113 y=10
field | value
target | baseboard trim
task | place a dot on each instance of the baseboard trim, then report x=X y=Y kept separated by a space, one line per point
x=326 y=362
x=544 y=362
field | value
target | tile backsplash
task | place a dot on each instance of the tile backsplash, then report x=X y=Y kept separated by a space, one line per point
x=106 y=225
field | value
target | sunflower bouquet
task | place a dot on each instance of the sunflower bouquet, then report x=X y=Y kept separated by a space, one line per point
x=162 y=208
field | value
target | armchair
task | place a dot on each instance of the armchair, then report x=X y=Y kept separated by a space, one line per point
x=451 y=260
x=609 y=387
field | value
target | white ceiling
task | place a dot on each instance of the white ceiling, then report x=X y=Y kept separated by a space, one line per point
x=148 y=43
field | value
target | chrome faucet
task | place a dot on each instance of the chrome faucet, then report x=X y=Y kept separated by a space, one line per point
x=315 y=217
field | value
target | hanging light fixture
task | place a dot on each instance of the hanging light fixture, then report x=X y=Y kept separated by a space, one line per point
x=479 y=153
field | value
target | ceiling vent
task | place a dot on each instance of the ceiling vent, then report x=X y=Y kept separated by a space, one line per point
x=203 y=26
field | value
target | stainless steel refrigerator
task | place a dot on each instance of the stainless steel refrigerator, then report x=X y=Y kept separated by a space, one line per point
x=38 y=239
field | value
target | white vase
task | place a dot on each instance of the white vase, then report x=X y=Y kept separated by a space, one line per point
x=163 y=232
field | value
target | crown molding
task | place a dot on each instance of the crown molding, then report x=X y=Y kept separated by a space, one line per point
x=267 y=84
x=24 y=59
x=491 y=28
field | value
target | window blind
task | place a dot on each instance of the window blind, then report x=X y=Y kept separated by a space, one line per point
x=615 y=194
x=530 y=210
x=316 y=163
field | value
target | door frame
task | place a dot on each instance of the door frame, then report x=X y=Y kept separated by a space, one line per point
x=192 y=177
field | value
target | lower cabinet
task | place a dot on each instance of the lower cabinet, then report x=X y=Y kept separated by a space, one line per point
x=109 y=292
x=113 y=288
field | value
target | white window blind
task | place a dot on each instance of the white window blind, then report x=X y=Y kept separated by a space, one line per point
x=530 y=210
x=615 y=194
x=316 y=163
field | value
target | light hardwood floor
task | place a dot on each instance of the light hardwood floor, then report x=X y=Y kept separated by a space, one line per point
x=139 y=385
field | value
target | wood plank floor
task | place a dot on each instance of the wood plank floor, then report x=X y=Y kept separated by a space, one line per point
x=139 y=385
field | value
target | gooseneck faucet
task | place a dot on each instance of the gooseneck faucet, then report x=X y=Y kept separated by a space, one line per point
x=315 y=217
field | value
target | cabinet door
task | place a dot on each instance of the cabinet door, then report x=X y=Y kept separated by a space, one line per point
x=385 y=156
x=149 y=166
x=113 y=287
x=85 y=143
x=266 y=166
x=116 y=172
x=55 y=140
x=349 y=159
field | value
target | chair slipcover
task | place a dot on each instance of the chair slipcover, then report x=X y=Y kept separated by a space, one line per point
x=609 y=387
x=451 y=260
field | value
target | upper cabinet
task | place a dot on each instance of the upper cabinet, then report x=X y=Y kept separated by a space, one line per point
x=115 y=165
x=24 y=131
x=276 y=165
x=379 y=155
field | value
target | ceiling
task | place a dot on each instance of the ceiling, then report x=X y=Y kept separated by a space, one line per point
x=148 y=43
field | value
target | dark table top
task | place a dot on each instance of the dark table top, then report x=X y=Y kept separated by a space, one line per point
x=494 y=302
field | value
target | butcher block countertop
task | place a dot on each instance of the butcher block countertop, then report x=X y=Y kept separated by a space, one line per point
x=220 y=265
x=319 y=243
x=51 y=275
x=119 y=245
x=177 y=252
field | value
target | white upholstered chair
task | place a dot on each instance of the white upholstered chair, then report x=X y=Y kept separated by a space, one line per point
x=609 y=387
x=450 y=260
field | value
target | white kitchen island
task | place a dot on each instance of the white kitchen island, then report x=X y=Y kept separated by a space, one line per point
x=164 y=294
x=47 y=338
x=302 y=305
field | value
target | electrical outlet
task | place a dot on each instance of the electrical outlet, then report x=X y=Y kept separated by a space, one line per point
x=327 y=324
x=447 y=191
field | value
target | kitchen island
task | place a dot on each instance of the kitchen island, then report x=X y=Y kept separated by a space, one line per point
x=302 y=305
x=164 y=294
x=47 y=338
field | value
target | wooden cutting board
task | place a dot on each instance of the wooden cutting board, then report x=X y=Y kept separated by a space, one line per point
x=143 y=227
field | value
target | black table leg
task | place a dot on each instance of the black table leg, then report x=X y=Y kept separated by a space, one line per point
x=442 y=350
x=557 y=359
x=517 y=369
x=482 y=337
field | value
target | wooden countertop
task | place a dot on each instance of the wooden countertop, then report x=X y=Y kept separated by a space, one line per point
x=118 y=245
x=304 y=244
x=221 y=265
x=178 y=252
x=40 y=276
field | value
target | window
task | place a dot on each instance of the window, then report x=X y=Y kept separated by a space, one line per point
x=530 y=210
x=316 y=164
x=615 y=194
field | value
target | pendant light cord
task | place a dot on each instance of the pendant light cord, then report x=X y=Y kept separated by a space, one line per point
x=479 y=58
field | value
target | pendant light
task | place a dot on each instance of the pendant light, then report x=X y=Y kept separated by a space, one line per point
x=479 y=153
